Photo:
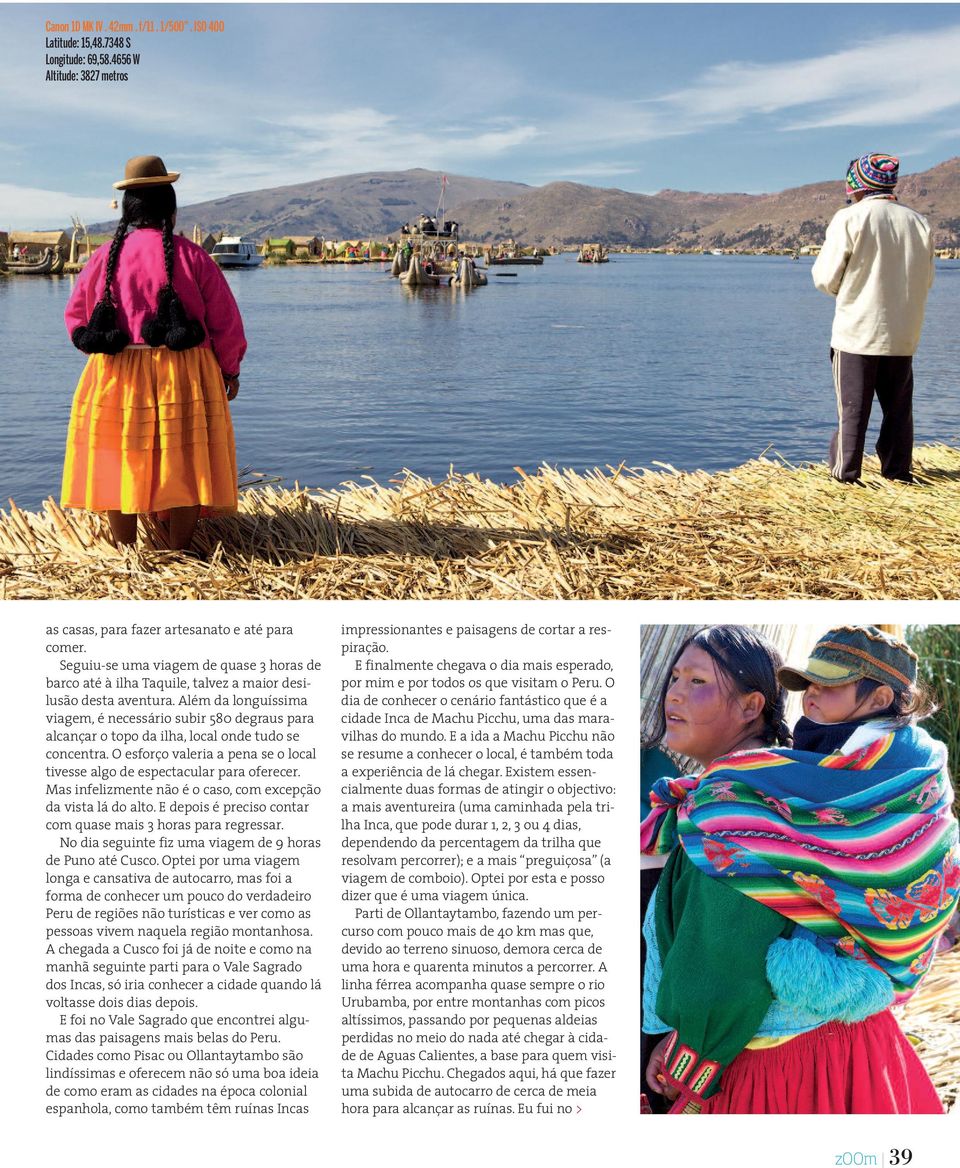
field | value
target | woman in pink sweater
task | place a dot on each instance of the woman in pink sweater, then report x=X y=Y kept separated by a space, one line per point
x=150 y=428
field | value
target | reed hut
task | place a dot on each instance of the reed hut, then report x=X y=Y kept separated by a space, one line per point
x=306 y=246
x=35 y=243
x=349 y=249
x=280 y=249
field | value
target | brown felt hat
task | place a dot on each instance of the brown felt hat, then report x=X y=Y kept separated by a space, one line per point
x=146 y=170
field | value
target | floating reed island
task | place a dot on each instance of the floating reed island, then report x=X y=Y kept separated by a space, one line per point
x=765 y=530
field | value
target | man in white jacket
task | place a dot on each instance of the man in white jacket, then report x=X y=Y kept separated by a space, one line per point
x=877 y=260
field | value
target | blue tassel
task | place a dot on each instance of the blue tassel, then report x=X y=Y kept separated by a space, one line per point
x=825 y=984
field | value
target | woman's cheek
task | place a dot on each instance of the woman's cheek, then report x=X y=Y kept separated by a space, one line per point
x=702 y=703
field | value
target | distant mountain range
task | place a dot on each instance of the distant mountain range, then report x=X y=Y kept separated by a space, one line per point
x=374 y=205
x=351 y=207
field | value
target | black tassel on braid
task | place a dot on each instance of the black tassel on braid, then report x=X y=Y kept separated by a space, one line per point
x=170 y=324
x=101 y=334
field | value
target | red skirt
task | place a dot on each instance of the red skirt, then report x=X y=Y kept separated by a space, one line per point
x=863 y=1068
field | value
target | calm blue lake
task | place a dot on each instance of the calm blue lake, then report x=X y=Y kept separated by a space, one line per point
x=697 y=361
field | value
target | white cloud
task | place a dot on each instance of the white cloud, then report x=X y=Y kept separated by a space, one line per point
x=31 y=208
x=361 y=122
x=593 y=170
x=882 y=82
x=502 y=120
x=311 y=145
x=364 y=130
x=889 y=80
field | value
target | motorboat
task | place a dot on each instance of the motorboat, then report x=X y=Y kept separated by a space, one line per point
x=514 y=259
x=234 y=252
x=513 y=254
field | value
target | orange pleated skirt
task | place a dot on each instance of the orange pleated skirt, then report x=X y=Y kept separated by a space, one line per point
x=150 y=429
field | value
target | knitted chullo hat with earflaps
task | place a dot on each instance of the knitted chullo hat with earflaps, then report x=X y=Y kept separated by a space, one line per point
x=873 y=172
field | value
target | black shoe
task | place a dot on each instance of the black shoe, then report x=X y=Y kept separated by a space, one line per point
x=850 y=482
x=909 y=480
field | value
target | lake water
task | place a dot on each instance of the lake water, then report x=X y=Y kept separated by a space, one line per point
x=697 y=361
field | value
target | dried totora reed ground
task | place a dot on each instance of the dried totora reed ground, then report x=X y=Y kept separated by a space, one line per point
x=764 y=530
x=932 y=1020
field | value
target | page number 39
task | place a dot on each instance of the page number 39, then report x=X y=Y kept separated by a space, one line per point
x=900 y=1156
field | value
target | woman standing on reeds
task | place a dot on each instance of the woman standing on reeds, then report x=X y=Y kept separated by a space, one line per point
x=150 y=430
x=810 y=885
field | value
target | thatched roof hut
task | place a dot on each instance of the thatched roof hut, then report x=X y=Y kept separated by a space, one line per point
x=279 y=247
x=306 y=245
x=36 y=242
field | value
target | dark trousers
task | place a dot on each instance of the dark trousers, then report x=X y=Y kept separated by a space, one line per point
x=856 y=379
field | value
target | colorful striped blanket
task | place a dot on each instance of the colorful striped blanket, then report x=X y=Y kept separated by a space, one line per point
x=859 y=845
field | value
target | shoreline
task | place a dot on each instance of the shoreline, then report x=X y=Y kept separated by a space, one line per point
x=942 y=255
x=764 y=530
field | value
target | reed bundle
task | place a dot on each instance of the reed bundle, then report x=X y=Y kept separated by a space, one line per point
x=764 y=530
x=932 y=1020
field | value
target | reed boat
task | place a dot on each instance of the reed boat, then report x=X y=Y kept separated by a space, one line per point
x=428 y=255
x=49 y=264
x=452 y=270
x=592 y=253
x=426 y=252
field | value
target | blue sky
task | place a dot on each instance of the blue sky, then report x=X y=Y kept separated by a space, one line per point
x=712 y=97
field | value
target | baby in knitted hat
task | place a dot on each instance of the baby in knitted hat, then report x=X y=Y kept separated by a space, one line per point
x=855 y=674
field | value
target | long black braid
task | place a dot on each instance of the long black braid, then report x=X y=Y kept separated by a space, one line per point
x=170 y=325
x=101 y=333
